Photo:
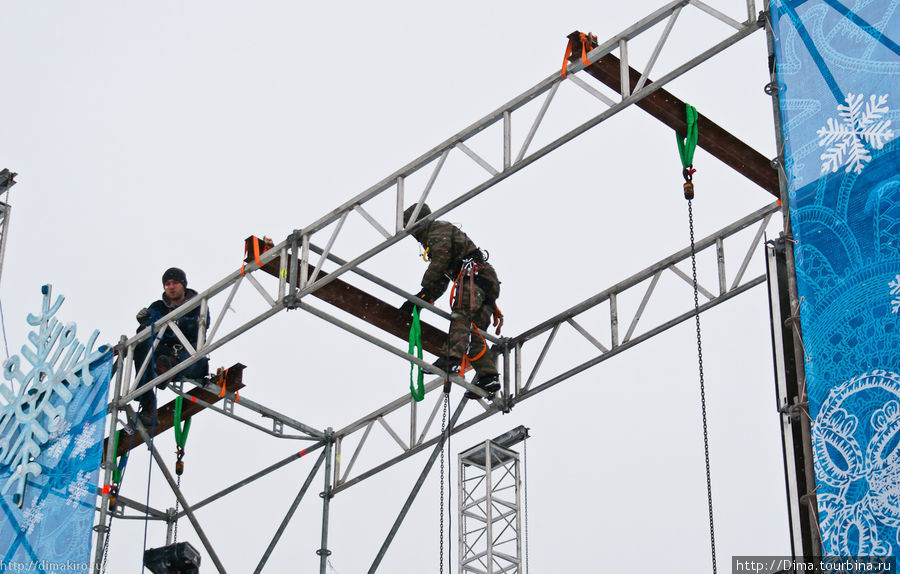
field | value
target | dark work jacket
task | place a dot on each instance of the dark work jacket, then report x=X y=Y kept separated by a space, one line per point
x=187 y=323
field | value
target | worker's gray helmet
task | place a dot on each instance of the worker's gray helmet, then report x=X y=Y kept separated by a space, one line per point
x=424 y=212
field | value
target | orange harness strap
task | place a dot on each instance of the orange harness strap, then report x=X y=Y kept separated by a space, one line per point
x=466 y=361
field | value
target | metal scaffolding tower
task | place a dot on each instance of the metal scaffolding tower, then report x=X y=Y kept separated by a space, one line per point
x=490 y=506
x=287 y=274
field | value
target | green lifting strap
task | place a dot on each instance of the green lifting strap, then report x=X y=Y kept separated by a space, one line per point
x=181 y=432
x=688 y=143
x=119 y=471
x=415 y=345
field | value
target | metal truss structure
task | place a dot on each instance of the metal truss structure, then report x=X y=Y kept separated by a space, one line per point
x=490 y=507
x=7 y=180
x=302 y=269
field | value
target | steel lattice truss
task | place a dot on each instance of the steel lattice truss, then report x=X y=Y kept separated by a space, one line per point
x=303 y=268
x=489 y=506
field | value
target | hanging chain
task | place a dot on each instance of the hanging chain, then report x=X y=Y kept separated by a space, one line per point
x=712 y=530
x=105 y=554
x=177 y=504
x=443 y=430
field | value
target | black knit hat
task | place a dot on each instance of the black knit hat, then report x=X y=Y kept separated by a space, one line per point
x=175 y=274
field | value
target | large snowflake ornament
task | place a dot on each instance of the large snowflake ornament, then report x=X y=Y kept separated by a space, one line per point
x=857 y=127
x=36 y=413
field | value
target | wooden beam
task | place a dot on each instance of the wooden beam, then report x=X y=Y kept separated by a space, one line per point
x=671 y=111
x=165 y=415
x=367 y=307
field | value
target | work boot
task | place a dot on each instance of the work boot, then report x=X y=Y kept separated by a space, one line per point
x=447 y=364
x=147 y=418
x=489 y=383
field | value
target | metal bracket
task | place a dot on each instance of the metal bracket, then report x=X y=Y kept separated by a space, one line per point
x=228 y=404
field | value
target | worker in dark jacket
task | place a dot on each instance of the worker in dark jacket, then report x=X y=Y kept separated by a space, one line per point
x=453 y=257
x=169 y=351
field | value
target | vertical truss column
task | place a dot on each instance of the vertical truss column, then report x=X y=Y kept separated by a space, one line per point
x=489 y=519
x=7 y=180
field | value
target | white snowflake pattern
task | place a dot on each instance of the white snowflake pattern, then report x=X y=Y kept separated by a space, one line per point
x=57 y=449
x=78 y=489
x=84 y=441
x=33 y=515
x=28 y=420
x=894 y=286
x=857 y=126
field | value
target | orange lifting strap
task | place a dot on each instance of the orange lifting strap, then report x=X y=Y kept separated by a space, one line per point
x=223 y=377
x=586 y=44
x=266 y=245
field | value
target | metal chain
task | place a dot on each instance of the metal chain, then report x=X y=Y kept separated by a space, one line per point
x=105 y=554
x=712 y=530
x=443 y=430
x=177 y=504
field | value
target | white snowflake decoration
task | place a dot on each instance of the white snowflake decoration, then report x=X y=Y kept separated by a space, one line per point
x=848 y=136
x=894 y=286
x=33 y=515
x=56 y=450
x=84 y=441
x=78 y=489
x=37 y=412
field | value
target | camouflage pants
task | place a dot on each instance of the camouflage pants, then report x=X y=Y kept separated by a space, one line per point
x=469 y=306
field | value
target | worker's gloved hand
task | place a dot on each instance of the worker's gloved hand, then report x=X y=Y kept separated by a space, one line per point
x=407 y=307
x=143 y=317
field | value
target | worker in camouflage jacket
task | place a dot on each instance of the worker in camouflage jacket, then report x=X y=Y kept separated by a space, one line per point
x=453 y=257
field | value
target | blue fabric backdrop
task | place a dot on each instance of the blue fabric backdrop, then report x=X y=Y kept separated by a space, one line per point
x=839 y=71
x=52 y=530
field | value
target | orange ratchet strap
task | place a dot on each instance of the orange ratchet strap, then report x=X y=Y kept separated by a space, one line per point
x=585 y=42
x=267 y=244
x=224 y=378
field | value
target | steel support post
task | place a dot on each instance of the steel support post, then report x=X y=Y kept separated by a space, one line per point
x=290 y=512
x=5 y=211
x=109 y=462
x=326 y=495
x=418 y=486
x=808 y=498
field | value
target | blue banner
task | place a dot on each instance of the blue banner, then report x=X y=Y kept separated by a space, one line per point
x=52 y=421
x=839 y=72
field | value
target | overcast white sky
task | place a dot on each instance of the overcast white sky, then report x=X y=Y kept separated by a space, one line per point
x=153 y=135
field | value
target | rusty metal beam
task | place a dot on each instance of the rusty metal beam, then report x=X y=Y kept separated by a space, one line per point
x=165 y=415
x=671 y=111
